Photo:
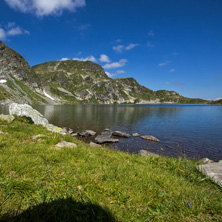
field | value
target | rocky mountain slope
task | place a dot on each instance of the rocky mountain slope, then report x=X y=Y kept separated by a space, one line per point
x=70 y=82
x=18 y=82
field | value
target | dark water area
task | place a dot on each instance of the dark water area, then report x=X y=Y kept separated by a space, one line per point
x=191 y=130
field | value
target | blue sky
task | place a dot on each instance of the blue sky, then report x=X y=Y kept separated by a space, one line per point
x=164 y=44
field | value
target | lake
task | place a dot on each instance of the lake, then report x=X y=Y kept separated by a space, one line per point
x=191 y=130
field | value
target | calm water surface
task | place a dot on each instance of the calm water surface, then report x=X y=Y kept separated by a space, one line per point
x=194 y=130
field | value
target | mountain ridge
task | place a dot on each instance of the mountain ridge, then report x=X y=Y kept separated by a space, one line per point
x=71 y=82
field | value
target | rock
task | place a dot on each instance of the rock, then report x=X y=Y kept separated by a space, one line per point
x=74 y=134
x=37 y=118
x=55 y=129
x=8 y=118
x=105 y=137
x=107 y=130
x=38 y=136
x=146 y=153
x=87 y=133
x=213 y=171
x=121 y=134
x=28 y=111
x=65 y=144
x=67 y=130
x=151 y=138
x=136 y=135
x=94 y=144
x=205 y=161
x=2 y=132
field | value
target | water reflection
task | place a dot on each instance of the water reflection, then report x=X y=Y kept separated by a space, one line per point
x=192 y=129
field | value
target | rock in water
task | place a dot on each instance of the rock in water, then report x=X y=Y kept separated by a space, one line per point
x=28 y=111
x=37 y=118
x=121 y=134
x=136 y=134
x=87 y=133
x=105 y=137
x=151 y=138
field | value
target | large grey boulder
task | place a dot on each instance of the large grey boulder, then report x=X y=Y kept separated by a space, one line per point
x=37 y=118
x=121 y=134
x=150 y=138
x=28 y=111
x=213 y=171
x=105 y=137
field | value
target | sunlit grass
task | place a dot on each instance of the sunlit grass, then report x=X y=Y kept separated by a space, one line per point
x=130 y=187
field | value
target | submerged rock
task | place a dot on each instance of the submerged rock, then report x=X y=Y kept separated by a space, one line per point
x=121 y=134
x=151 y=138
x=105 y=137
x=8 y=118
x=87 y=133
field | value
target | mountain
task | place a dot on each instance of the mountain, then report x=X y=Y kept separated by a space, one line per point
x=18 y=82
x=70 y=82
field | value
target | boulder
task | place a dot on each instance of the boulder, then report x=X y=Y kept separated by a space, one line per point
x=28 y=111
x=146 y=153
x=87 y=133
x=205 y=161
x=38 y=136
x=151 y=138
x=65 y=144
x=105 y=137
x=121 y=134
x=67 y=130
x=37 y=118
x=213 y=171
x=94 y=144
x=136 y=134
x=7 y=118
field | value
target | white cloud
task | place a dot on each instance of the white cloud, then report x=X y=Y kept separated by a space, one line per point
x=104 y=58
x=109 y=74
x=2 y=34
x=118 y=48
x=12 y=30
x=45 y=7
x=114 y=65
x=64 y=59
x=120 y=72
x=150 y=33
x=121 y=48
x=131 y=46
x=172 y=70
x=217 y=99
x=88 y=58
x=164 y=63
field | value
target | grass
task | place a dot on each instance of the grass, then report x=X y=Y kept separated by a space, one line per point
x=39 y=183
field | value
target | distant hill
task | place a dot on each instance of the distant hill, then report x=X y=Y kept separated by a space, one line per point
x=70 y=82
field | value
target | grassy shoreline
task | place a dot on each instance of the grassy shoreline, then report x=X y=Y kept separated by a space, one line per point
x=40 y=183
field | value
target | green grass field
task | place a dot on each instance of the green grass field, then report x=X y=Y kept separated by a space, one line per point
x=40 y=183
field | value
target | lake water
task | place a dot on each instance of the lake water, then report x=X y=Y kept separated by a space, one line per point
x=193 y=130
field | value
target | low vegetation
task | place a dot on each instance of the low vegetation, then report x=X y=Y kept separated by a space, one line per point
x=39 y=182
